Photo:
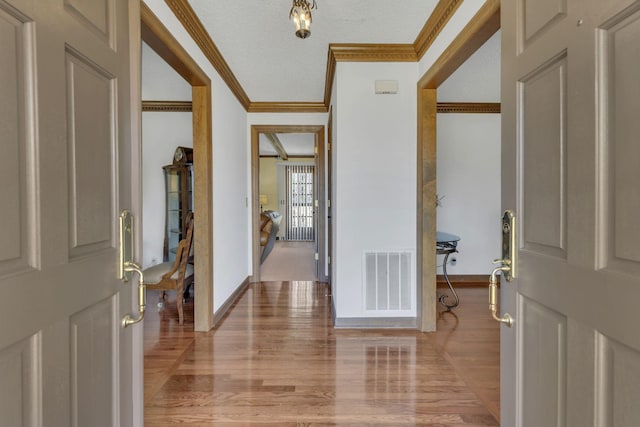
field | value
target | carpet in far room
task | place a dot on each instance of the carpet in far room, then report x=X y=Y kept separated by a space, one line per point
x=289 y=261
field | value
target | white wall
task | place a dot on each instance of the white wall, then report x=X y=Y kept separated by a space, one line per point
x=375 y=198
x=468 y=176
x=334 y=202
x=230 y=170
x=162 y=132
x=468 y=163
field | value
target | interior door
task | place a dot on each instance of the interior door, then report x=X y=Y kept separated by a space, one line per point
x=66 y=142
x=570 y=172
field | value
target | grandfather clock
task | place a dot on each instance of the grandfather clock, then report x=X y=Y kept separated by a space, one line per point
x=178 y=180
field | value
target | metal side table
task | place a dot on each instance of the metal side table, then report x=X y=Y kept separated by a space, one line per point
x=446 y=244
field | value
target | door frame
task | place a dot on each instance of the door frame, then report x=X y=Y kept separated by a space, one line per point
x=480 y=28
x=330 y=183
x=158 y=37
x=319 y=132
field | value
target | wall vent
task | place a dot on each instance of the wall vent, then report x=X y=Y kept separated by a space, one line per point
x=386 y=87
x=388 y=281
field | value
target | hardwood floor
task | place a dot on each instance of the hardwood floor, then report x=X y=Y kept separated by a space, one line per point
x=277 y=361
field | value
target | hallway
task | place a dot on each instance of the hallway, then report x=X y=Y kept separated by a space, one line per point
x=276 y=360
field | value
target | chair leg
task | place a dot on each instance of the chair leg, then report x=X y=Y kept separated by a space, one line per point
x=179 y=304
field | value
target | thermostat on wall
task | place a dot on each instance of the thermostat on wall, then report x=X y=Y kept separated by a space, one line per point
x=386 y=86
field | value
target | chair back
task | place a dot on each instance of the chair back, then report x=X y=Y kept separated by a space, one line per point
x=185 y=246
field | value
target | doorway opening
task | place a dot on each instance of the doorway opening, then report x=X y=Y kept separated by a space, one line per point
x=288 y=193
x=158 y=38
x=481 y=27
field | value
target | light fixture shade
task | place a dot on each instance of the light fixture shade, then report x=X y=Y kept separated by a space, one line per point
x=264 y=199
x=301 y=15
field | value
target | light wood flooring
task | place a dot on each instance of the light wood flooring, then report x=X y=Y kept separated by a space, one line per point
x=276 y=361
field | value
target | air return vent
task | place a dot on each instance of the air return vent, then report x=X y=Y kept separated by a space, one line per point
x=388 y=281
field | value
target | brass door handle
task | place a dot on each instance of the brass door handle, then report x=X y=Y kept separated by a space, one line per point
x=130 y=319
x=507 y=266
x=126 y=266
x=493 y=297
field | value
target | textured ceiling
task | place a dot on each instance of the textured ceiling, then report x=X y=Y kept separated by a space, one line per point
x=258 y=40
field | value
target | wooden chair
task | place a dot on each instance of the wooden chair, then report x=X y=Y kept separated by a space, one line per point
x=174 y=275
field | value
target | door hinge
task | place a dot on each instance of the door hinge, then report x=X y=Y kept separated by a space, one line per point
x=328 y=260
x=328 y=203
x=315 y=149
x=329 y=147
x=316 y=256
x=315 y=202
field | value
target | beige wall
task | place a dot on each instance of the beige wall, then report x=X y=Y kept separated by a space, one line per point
x=269 y=182
x=269 y=179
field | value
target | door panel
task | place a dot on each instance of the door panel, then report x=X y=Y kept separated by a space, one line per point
x=66 y=140
x=94 y=349
x=543 y=347
x=543 y=95
x=570 y=172
x=17 y=76
x=540 y=14
x=19 y=370
x=97 y=16
x=621 y=104
x=618 y=370
x=91 y=148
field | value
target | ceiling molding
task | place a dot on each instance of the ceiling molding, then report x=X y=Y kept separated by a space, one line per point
x=194 y=27
x=482 y=26
x=469 y=107
x=488 y=18
x=359 y=52
x=287 y=107
x=439 y=18
x=277 y=145
x=167 y=106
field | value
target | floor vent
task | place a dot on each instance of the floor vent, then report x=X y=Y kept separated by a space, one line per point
x=388 y=279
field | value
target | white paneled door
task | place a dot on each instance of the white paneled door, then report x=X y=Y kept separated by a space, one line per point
x=65 y=129
x=570 y=165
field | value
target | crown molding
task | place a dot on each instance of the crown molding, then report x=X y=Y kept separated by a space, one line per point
x=167 y=106
x=337 y=52
x=287 y=107
x=360 y=52
x=443 y=11
x=469 y=107
x=190 y=21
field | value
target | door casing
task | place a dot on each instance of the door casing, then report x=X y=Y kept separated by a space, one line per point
x=158 y=37
x=319 y=131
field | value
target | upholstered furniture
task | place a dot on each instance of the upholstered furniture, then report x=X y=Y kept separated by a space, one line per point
x=269 y=226
x=174 y=275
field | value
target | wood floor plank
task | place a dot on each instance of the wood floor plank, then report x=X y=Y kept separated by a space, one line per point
x=276 y=360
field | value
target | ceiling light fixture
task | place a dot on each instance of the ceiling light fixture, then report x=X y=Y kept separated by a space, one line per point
x=301 y=15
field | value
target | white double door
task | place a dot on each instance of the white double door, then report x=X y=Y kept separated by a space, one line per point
x=571 y=173
x=66 y=138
